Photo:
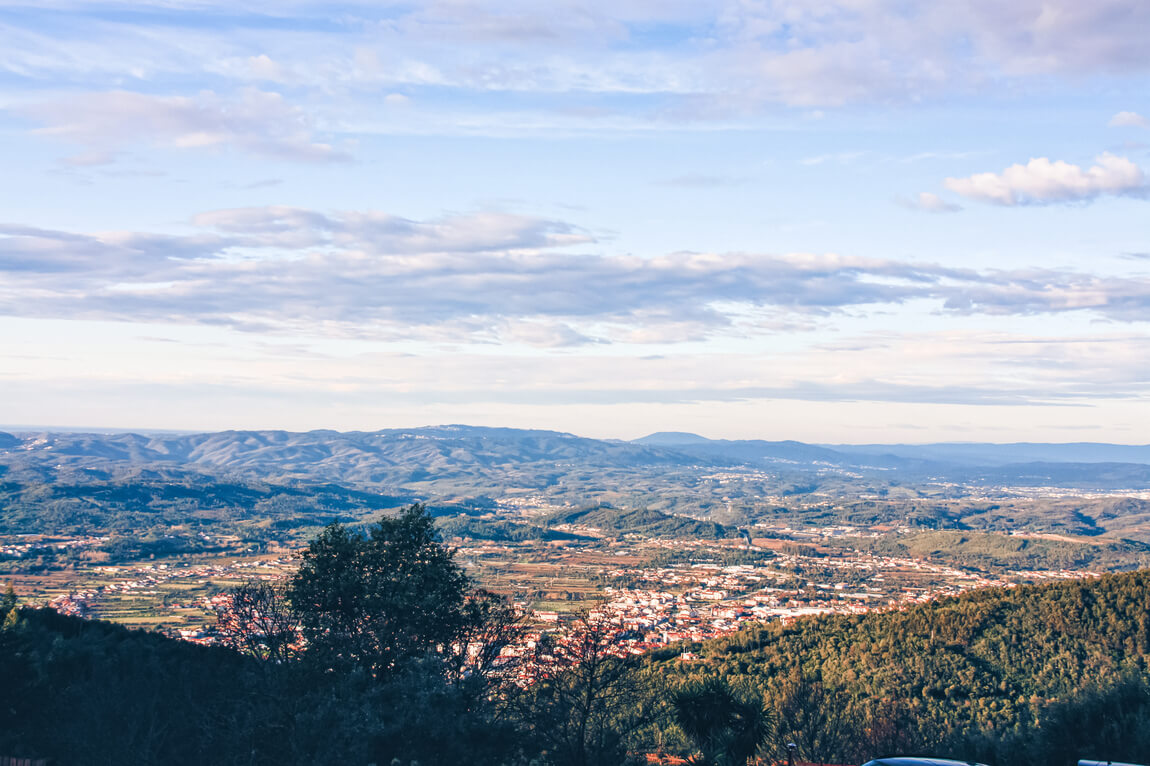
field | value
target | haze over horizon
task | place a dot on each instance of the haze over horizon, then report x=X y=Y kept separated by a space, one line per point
x=856 y=222
x=656 y=438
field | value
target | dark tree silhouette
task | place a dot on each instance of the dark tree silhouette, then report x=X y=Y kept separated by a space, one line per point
x=583 y=700
x=727 y=728
x=811 y=719
x=259 y=621
x=490 y=625
x=378 y=599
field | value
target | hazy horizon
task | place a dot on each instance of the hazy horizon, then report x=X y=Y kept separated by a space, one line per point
x=112 y=430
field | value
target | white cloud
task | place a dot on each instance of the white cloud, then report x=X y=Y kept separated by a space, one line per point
x=930 y=203
x=1041 y=181
x=255 y=121
x=265 y=68
x=1129 y=120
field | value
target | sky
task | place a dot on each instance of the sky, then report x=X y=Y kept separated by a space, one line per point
x=838 y=221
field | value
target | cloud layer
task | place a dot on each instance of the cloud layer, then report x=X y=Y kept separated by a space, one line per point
x=488 y=277
x=681 y=62
x=930 y=203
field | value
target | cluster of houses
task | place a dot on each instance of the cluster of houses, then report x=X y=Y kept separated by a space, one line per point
x=74 y=604
x=19 y=546
x=694 y=602
x=650 y=606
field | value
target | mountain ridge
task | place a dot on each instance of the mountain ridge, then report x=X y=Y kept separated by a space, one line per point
x=536 y=457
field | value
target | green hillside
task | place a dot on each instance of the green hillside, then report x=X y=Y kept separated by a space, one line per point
x=997 y=552
x=642 y=520
x=993 y=675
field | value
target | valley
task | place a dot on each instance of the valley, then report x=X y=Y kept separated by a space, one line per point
x=688 y=540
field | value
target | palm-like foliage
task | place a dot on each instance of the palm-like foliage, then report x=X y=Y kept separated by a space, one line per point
x=726 y=727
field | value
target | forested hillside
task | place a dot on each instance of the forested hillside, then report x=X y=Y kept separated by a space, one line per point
x=144 y=514
x=993 y=675
x=641 y=520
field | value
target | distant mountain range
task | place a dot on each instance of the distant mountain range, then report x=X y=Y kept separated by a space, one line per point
x=477 y=458
x=1081 y=465
x=958 y=453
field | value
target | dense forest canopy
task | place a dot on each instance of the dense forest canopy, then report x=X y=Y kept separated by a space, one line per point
x=983 y=676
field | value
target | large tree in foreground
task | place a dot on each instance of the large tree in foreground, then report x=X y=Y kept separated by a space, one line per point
x=407 y=653
x=378 y=598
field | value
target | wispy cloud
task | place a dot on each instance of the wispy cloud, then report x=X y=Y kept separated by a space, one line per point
x=930 y=203
x=263 y=183
x=901 y=368
x=255 y=121
x=382 y=233
x=923 y=156
x=711 y=61
x=1043 y=182
x=703 y=181
x=841 y=158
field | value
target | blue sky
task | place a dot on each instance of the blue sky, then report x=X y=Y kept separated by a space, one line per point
x=836 y=221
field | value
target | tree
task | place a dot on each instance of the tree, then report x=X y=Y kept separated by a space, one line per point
x=9 y=614
x=811 y=717
x=259 y=621
x=1110 y=717
x=727 y=728
x=379 y=598
x=584 y=698
x=490 y=625
x=381 y=649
